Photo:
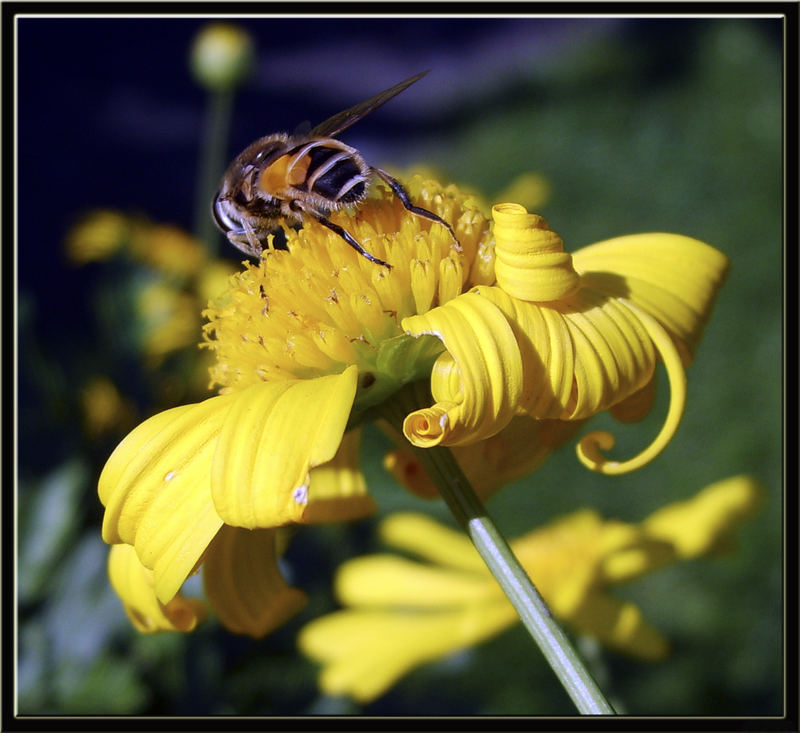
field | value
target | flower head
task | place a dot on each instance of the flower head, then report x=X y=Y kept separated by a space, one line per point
x=517 y=340
x=562 y=336
x=401 y=613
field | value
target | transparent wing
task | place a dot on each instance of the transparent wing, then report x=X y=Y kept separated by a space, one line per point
x=350 y=116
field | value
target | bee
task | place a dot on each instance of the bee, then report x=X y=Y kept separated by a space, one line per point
x=289 y=179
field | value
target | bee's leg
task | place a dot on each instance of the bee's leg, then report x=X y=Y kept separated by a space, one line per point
x=245 y=241
x=400 y=192
x=254 y=241
x=344 y=234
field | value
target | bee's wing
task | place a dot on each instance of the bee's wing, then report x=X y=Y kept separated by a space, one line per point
x=350 y=116
x=302 y=130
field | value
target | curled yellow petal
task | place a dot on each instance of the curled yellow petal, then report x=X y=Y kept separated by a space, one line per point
x=134 y=584
x=476 y=383
x=243 y=583
x=579 y=356
x=673 y=277
x=531 y=263
x=274 y=433
x=614 y=355
x=157 y=494
x=590 y=446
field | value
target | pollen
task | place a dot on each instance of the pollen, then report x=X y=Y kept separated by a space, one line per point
x=280 y=175
x=329 y=306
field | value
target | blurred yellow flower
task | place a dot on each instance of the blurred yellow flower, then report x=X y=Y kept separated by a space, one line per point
x=502 y=326
x=168 y=319
x=166 y=248
x=531 y=190
x=401 y=613
x=104 y=408
x=98 y=236
x=168 y=293
x=169 y=249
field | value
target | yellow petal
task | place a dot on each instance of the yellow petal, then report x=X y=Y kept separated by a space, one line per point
x=590 y=445
x=619 y=625
x=243 y=583
x=134 y=584
x=580 y=356
x=390 y=580
x=156 y=490
x=476 y=383
x=644 y=556
x=698 y=525
x=562 y=558
x=427 y=538
x=626 y=551
x=273 y=435
x=531 y=262
x=364 y=653
x=672 y=277
x=337 y=491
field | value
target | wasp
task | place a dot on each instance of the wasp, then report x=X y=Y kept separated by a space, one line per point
x=284 y=178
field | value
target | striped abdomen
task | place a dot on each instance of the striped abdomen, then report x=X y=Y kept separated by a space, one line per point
x=328 y=168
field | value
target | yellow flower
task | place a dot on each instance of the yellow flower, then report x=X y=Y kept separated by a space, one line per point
x=565 y=336
x=103 y=234
x=168 y=319
x=98 y=236
x=311 y=341
x=104 y=408
x=167 y=248
x=401 y=613
x=531 y=190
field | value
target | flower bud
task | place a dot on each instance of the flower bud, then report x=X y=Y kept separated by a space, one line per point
x=222 y=56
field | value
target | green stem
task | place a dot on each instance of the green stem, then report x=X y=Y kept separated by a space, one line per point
x=212 y=160
x=469 y=511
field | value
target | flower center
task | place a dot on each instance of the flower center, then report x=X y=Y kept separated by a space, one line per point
x=319 y=306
